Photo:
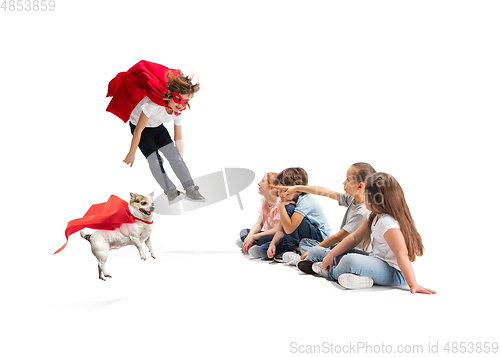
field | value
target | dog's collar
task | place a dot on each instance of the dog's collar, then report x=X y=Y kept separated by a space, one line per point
x=143 y=220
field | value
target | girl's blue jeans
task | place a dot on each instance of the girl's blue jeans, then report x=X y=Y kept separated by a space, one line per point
x=316 y=254
x=365 y=265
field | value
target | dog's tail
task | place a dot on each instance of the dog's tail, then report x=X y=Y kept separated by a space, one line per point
x=85 y=236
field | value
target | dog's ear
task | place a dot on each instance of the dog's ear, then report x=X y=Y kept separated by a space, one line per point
x=133 y=195
x=152 y=195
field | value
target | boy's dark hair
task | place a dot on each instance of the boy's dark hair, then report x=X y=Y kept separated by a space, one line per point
x=294 y=176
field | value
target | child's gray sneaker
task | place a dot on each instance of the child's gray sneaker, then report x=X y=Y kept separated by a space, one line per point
x=192 y=194
x=174 y=195
x=254 y=251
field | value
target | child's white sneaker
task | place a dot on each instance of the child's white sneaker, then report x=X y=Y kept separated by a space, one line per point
x=291 y=258
x=318 y=269
x=239 y=243
x=352 y=281
x=254 y=251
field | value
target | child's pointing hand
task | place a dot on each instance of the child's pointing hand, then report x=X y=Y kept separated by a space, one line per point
x=285 y=189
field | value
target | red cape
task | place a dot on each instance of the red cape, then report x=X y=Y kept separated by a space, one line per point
x=129 y=88
x=106 y=216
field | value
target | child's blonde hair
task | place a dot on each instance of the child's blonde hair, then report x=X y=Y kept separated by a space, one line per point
x=385 y=195
x=272 y=180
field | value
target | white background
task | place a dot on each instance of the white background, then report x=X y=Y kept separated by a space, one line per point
x=409 y=87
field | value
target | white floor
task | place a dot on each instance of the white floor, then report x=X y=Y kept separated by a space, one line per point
x=191 y=302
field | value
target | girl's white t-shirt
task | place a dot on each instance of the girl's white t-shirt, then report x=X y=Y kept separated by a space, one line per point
x=380 y=247
x=156 y=113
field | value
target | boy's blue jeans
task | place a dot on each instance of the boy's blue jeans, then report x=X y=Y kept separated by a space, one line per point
x=291 y=241
x=260 y=241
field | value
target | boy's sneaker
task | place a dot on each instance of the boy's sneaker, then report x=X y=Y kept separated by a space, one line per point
x=305 y=266
x=352 y=281
x=254 y=251
x=192 y=194
x=317 y=268
x=239 y=243
x=174 y=196
x=291 y=258
x=279 y=258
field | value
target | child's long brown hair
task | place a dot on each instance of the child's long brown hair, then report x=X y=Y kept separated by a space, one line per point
x=385 y=195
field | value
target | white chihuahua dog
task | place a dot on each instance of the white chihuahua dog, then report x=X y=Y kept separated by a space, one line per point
x=102 y=241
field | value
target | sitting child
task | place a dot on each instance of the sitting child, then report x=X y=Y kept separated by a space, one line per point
x=395 y=240
x=300 y=214
x=268 y=223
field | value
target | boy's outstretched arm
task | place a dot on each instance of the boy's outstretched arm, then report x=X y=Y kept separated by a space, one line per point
x=315 y=190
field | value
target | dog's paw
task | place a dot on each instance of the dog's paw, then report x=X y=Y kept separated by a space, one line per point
x=108 y=276
x=102 y=278
x=143 y=257
x=153 y=256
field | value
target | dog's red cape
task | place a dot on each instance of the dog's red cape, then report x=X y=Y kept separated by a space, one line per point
x=106 y=216
x=129 y=88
